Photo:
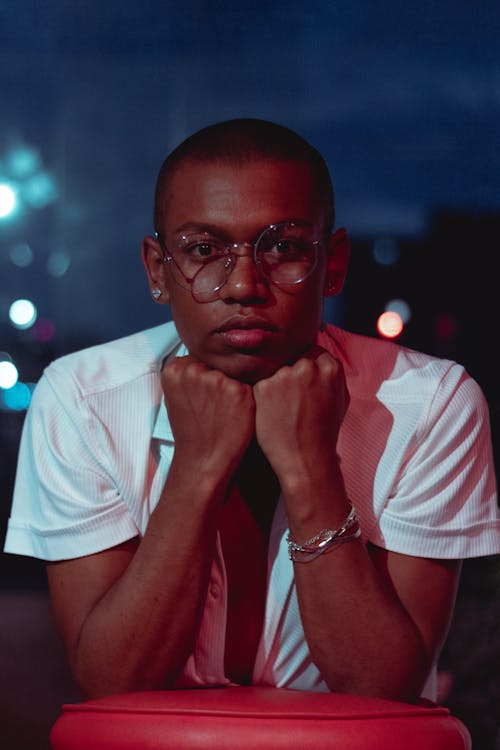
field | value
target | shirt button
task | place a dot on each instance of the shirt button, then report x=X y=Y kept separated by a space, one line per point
x=214 y=590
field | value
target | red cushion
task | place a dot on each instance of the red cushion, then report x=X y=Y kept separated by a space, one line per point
x=254 y=718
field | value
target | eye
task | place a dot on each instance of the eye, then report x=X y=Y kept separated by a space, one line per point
x=286 y=247
x=283 y=250
x=203 y=250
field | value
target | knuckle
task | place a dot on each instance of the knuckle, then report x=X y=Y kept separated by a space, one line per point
x=268 y=385
x=306 y=365
x=170 y=372
x=329 y=364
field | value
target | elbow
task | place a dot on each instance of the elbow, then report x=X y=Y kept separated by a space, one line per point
x=397 y=679
x=93 y=684
x=102 y=679
x=405 y=691
x=99 y=686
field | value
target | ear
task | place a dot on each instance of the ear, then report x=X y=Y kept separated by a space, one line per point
x=338 y=251
x=156 y=269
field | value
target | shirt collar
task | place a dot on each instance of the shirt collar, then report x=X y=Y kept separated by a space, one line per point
x=162 y=429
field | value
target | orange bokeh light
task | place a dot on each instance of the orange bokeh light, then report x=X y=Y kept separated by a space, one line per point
x=389 y=325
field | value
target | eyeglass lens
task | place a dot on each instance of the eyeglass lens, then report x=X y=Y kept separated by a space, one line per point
x=285 y=253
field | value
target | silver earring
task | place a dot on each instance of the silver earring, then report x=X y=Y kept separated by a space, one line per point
x=156 y=294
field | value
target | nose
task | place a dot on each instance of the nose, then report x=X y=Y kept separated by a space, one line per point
x=246 y=282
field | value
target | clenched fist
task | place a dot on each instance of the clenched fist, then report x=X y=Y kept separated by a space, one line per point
x=299 y=411
x=212 y=416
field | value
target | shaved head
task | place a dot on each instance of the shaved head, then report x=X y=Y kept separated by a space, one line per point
x=239 y=142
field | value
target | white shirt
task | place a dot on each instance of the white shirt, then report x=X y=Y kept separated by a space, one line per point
x=415 y=451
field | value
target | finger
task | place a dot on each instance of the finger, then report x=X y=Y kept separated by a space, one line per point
x=324 y=361
x=315 y=352
x=183 y=361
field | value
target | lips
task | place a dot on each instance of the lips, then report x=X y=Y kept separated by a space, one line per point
x=246 y=333
x=243 y=323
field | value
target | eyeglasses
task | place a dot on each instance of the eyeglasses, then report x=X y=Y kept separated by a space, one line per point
x=285 y=253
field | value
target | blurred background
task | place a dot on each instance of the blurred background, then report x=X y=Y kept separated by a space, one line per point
x=403 y=100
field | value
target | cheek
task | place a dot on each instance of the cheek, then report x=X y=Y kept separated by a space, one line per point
x=192 y=320
x=308 y=305
x=183 y=316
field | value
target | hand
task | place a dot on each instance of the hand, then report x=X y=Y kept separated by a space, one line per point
x=212 y=416
x=299 y=411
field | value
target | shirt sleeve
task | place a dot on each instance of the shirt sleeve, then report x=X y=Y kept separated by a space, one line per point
x=65 y=502
x=444 y=502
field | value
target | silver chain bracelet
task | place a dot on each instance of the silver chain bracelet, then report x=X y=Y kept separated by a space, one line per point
x=325 y=540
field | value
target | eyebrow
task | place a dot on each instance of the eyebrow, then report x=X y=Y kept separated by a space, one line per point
x=195 y=226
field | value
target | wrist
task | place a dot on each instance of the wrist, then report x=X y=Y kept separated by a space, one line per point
x=314 y=502
x=307 y=468
x=203 y=486
x=325 y=540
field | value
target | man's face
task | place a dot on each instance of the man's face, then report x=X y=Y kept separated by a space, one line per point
x=253 y=327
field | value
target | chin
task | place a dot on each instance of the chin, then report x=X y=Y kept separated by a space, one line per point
x=247 y=368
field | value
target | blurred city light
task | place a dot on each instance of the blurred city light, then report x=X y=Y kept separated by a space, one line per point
x=22 y=313
x=58 y=263
x=389 y=325
x=18 y=397
x=44 y=330
x=21 y=254
x=39 y=190
x=7 y=200
x=8 y=374
x=23 y=160
x=386 y=251
x=446 y=326
x=400 y=307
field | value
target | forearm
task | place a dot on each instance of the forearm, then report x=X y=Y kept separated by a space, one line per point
x=374 y=620
x=359 y=634
x=140 y=633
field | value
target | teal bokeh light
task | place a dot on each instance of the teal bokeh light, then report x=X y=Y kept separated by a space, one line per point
x=16 y=398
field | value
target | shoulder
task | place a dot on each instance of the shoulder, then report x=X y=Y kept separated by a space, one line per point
x=391 y=372
x=114 y=364
x=427 y=444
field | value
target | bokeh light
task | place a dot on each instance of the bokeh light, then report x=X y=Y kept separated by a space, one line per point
x=44 y=330
x=386 y=251
x=18 y=397
x=7 y=200
x=21 y=255
x=39 y=190
x=22 y=313
x=23 y=160
x=401 y=307
x=389 y=325
x=446 y=326
x=8 y=374
x=58 y=263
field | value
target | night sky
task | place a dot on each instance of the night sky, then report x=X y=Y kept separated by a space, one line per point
x=403 y=99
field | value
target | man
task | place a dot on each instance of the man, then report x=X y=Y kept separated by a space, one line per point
x=247 y=495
